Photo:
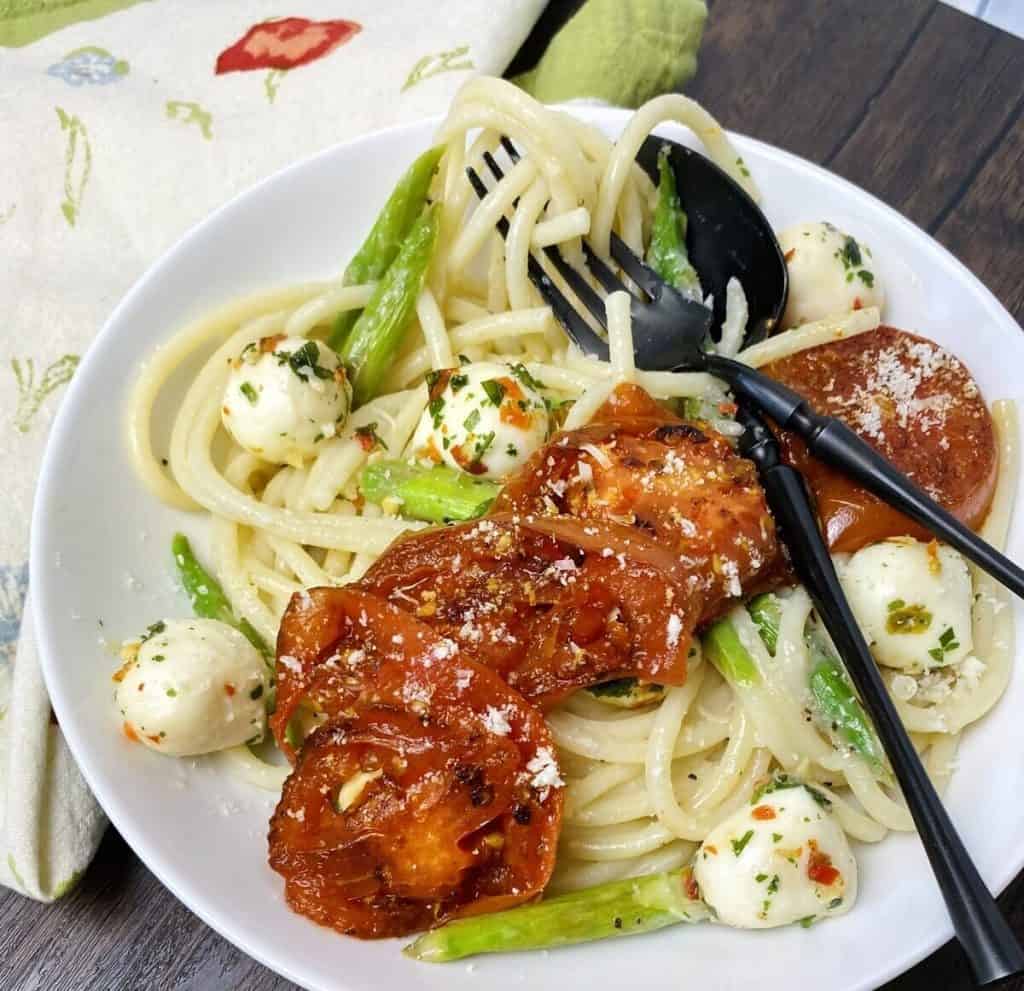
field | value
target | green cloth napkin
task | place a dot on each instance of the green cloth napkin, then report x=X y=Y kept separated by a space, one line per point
x=621 y=51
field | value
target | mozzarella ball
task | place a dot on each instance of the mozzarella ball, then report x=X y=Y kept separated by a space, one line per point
x=913 y=602
x=486 y=418
x=284 y=397
x=830 y=274
x=195 y=686
x=780 y=860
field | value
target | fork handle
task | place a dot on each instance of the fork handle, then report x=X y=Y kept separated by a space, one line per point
x=990 y=945
x=833 y=442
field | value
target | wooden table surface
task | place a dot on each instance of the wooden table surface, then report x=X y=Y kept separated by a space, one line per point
x=918 y=104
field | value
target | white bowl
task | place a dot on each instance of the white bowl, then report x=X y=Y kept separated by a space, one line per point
x=101 y=568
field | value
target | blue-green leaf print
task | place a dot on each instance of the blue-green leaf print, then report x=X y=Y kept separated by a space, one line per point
x=13 y=587
x=32 y=395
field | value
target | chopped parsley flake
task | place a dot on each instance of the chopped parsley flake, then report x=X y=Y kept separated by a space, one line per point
x=807 y=921
x=495 y=391
x=249 y=392
x=458 y=381
x=151 y=631
x=522 y=373
x=436 y=409
x=849 y=254
x=482 y=446
x=781 y=782
x=739 y=845
x=512 y=451
x=776 y=837
x=463 y=360
x=947 y=643
x=774 y=885
x=469 y=424
x=171 y=693
x=866 y=277
x=304 y=362
x=256 y=693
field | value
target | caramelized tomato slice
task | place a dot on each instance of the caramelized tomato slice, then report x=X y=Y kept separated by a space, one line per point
x=681 y=483
x=435 y=794
x=551 y=605
x=913 y=401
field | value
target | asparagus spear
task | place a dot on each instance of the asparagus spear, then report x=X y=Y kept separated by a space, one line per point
x=208 y=598
x=371 y=345
x=619 y=908
x=833 y=695
x=390 y=229
x=764 y=610
x=724 y=649
x=666 y=253
x=839 y=706
x=437 y=495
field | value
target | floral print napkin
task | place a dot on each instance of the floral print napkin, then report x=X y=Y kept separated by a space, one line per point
x=122 y=124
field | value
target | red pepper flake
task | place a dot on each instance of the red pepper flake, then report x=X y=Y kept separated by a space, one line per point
x=129 y=731
x=285 y=43
x=934 y=564
x=763 y=812
x=857 y=304
x=269 y=344
x=142 y=685
x=727 y=409
x=819 y=866
x=154 y=738
x=690 y=887
x=789 y=255
x=229 y=688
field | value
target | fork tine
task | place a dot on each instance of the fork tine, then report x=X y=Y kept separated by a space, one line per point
x=579 y=331
x=645 y=277
x=579 y=285
x=493 y=166
x=608 y=279
x=511 y=149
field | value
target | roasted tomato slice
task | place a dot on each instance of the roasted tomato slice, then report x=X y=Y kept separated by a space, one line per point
x=332 y=646
x=913 y=401
x=681 y=483
x=551 y=605
x=435 y=794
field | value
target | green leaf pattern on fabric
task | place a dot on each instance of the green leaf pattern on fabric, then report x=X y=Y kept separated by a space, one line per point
x=25 y=21
x=77 y=164
x=191 y=113
x=32 y=396
x=272 y=83
x=453 y=60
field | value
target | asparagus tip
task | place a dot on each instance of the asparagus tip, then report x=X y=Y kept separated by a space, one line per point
x=428 y=948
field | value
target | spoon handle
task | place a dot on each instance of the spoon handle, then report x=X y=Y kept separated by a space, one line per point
x=833 y=442
x=990 y=945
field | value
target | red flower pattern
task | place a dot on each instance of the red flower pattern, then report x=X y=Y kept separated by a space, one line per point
x=285 y=43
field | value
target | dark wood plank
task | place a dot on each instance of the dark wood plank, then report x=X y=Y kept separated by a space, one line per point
x=947 y=106
x=800 y=75
x=917 y=103
x=985 y=229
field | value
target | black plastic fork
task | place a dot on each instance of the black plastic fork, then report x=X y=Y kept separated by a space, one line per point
x=666 y=320
x=988 y=942
x=670 y=332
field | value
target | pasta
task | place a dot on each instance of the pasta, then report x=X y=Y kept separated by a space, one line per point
x=643 y=785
